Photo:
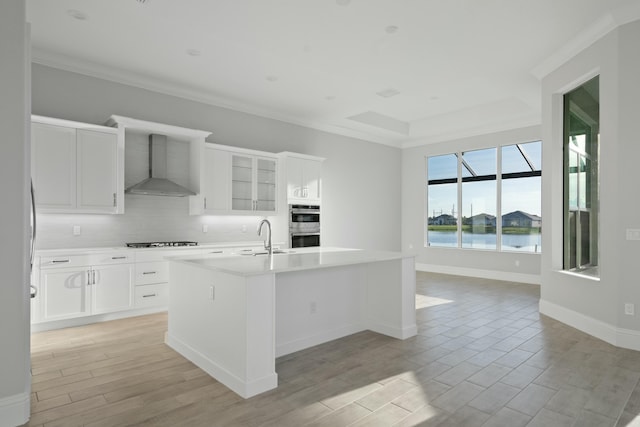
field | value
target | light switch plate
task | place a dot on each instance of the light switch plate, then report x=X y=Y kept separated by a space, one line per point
x=629 y=309
x=76 y=230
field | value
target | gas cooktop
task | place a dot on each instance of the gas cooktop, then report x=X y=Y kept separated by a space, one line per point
x=160 y=244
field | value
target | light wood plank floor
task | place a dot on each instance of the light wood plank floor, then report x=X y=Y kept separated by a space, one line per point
x=483 y=357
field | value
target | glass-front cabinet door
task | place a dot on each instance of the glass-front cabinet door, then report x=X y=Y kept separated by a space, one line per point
x=266 y=185
x=253 y=184
x=242 y=183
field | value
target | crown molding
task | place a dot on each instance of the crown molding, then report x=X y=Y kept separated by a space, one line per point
x=105 y=72
x=600 y=28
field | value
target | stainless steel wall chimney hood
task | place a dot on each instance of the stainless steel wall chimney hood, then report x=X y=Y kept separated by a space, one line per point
x=157 y=184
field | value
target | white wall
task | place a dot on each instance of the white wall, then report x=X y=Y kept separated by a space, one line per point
x=361 y=201
x=15 y=381
x=596 y=306
x=499 y=265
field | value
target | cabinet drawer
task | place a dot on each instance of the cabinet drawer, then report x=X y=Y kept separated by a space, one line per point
x=103 y=258
x=152 y=272
x=63 y=261
x=113 y=257
x=151 y=295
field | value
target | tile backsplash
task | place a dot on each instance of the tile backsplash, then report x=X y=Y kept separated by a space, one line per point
x=146 y=218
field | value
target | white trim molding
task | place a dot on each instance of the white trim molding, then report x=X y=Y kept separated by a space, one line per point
x=15 y=410
x=619 y=337
x=607 y=23
x=507 y=276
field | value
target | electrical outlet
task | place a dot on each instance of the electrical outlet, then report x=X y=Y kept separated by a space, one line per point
x=517 y=263
x=313 y=307
x=212 y=293
x=244 y=228
x=633 y=234
x=629 y=309
x=205 y=228
x=76 y=230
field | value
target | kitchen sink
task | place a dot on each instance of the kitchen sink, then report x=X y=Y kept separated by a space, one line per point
x=275 y=252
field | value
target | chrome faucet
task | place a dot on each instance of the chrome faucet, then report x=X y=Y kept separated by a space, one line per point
x=267 y=242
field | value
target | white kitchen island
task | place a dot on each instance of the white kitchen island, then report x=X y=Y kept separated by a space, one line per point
x=233 y=315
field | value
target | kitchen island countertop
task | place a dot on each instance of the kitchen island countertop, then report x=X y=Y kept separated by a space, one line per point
x=291 y=260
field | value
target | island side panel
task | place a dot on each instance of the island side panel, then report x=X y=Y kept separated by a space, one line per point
x=316 y=306
x=213 y=332
x=390 y=295
x=260 y=315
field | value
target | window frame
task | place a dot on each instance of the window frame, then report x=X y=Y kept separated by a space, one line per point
x=459 y=180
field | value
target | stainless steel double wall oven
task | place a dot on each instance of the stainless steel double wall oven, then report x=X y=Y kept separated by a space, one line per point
x=304 y=226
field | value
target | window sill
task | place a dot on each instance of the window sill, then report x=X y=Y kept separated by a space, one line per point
x=590 y=273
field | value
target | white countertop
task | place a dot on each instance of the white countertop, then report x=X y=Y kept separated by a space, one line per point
x=293 y=260
x=72 y=251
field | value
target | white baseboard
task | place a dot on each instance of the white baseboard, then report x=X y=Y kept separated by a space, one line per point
x=320 y=338
x=477 y=272
x=15 y=410
x=243 y=388
x=86 y=320
x=399 y=333
x=619 y=337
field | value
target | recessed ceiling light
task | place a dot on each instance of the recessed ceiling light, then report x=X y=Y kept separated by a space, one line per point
x=272 y=78
x=392 y=29
x=388 y=93
x=77 y=14
x=343 y=2
x=193 y=52
x=330 y=98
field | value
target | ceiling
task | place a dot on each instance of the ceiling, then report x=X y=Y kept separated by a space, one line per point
x=397 y=72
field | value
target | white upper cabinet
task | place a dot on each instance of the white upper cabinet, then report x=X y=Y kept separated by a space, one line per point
x=303 y=178
x=253 y=184
x=216 y=190
x=53 y=166
x=237 y=182
x=76 y=168
x=97 y=170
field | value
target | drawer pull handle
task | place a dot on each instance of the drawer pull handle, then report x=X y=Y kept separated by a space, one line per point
x=59 y=261
x=149 y=272
x=149 y=295
x=118 y=257
x=215 y=252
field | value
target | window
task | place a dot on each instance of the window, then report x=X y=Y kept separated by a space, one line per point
x=521 y=197
x=581 y=201
x=470 y=179
x=479 y=199
x=442 y=200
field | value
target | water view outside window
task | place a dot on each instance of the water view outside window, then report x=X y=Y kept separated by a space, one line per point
x=442 y=202
x=581 y=177
x=521 y=197
x=479 y=199
x=518 y=221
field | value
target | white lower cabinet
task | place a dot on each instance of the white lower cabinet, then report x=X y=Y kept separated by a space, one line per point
x=111 y=288
x=153 y=295
x=123 y=282
x=152 y=289
x=65 y=293
x=69 y=289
